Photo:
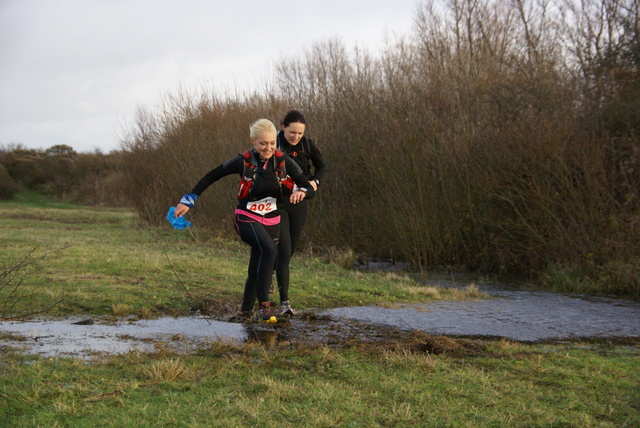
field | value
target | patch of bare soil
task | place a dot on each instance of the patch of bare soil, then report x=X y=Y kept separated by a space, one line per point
x=309 y=329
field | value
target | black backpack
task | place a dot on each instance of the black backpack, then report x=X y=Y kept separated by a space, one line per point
x=250 y=171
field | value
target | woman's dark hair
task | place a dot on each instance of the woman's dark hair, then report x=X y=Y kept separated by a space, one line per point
x=293 y=116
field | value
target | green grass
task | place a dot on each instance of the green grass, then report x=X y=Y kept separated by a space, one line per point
x=91 y=259
x=28 y=198
x=102 y=258
x=499 y=384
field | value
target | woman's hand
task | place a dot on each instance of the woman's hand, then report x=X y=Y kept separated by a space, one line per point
x=314 y=185
x=297 y=196
x=181 y=209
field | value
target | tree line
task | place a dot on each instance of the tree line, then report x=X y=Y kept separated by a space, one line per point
x=60 y=172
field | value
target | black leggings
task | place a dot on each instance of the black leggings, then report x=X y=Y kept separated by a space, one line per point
x=263 y=241
x=292 y=222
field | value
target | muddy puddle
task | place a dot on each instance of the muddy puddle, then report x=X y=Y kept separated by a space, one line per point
x=510 y=313
x=84 y=338
x=90 y=339
x=515 y=315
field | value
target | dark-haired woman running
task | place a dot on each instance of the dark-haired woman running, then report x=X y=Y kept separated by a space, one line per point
x=305 y=153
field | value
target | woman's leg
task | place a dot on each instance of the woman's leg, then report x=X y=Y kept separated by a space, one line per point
x=291 y=225
x=263 y=241
x=297 y=219
x=284 y=256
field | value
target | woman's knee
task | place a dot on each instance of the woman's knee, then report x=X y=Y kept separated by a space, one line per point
x=270 y=251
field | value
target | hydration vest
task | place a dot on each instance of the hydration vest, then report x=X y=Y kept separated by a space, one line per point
x=250 y=173
x=293 y=154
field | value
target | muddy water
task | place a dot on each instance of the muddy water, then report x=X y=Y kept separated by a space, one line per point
x=510 y=313
x=61 y=338
x=514 y=314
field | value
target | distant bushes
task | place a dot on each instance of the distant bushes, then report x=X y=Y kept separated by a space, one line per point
x=85 y=178
x=501 y=137
x=8 y=187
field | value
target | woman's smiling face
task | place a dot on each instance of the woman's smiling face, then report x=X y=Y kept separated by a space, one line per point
x=265 y=144
x=293 y=132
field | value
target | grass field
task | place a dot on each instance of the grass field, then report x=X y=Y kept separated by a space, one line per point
x=92 y=260
x=101 y=262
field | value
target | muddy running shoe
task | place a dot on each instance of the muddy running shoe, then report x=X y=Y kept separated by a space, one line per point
x=264 y=314
x=241 y=317
x=285 y=308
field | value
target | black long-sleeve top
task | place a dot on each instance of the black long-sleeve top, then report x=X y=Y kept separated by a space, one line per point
x=266 y=181
x=307 y=156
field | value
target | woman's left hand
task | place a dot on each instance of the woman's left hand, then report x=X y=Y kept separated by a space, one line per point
x=297 y=196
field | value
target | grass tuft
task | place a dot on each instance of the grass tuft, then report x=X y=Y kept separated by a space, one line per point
x=165 y=370
x=121 y=310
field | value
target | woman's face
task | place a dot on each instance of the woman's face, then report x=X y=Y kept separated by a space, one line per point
x=265 y=144
x=293 y=133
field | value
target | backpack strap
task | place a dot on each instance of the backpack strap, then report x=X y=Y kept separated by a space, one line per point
x=281 y=169
x=248 y=174
x=307 y=151
x=286 y=182
x=250 y=165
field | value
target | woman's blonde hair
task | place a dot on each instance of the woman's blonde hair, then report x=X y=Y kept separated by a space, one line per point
x=261 y=126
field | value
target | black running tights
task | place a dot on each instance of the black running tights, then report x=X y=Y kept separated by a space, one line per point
x=292 y=222
x=263 y=241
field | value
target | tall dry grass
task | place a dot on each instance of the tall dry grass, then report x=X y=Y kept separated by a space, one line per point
x=499 y=136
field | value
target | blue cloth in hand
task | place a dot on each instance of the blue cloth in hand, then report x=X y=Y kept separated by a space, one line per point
x=177 y=222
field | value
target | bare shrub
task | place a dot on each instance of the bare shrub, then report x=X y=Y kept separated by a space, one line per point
x=499 y=136
x=16 y=299
x=85 y=178
x=8 y=187
x=100 y=179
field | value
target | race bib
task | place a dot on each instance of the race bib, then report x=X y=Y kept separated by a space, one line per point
x=263 y=206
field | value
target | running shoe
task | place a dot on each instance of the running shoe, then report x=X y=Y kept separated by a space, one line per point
x=264 y=314
x=285 y=308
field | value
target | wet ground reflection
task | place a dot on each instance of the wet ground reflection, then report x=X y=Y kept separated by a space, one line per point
x=268 y=337
x=511 y=313
x=69 y=338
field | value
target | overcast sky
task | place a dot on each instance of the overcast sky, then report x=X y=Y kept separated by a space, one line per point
x=75 y=71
